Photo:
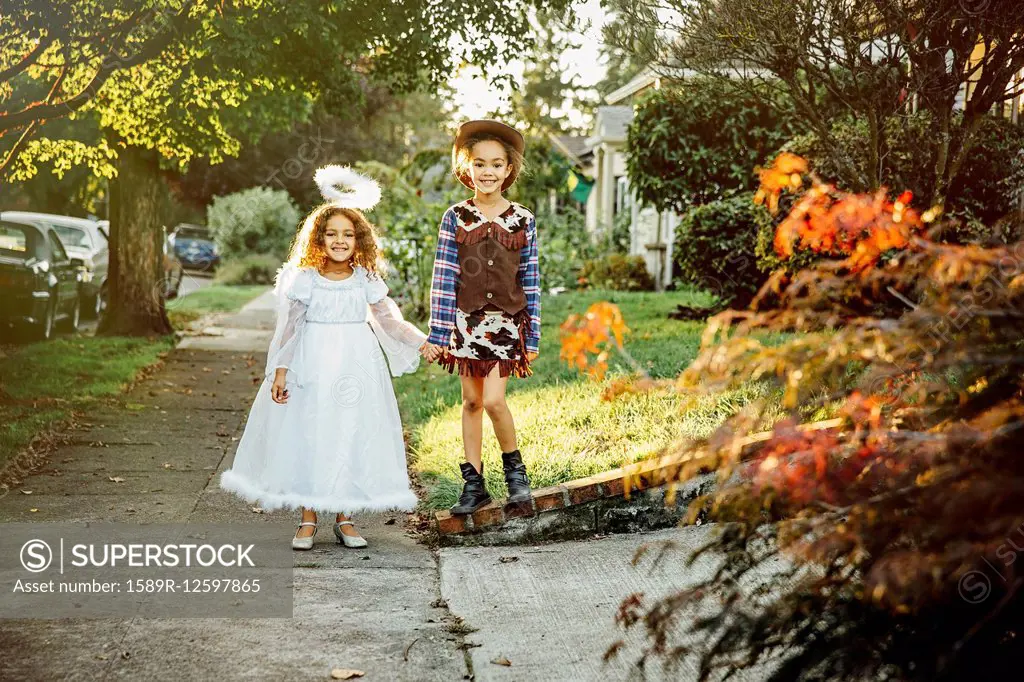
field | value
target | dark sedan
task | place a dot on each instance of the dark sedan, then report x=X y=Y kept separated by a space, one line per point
x=41 y=285
x=82 y=238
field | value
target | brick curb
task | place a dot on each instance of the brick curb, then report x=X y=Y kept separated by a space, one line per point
x=637 y=485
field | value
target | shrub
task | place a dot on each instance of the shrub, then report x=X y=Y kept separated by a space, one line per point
x=715 y=248
x=982 y=192
x=696 y=143
x=899 y=513
x=253 y=221
x=259 y=268
x=564 y=246
x=618 y=272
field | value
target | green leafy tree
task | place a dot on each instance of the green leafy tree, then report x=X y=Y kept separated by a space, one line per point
x=870 y=60
x=170 y=81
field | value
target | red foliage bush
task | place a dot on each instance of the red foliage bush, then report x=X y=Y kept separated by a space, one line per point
x=901 y=514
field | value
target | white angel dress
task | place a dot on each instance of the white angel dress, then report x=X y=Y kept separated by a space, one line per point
x=336 y=445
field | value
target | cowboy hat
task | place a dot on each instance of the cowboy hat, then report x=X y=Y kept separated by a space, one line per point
x=506 y=133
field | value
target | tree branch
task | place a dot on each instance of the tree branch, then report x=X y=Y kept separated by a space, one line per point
x=109 y=65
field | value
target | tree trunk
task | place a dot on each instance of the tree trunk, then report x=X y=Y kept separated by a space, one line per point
x=940 y=183
x=135 y=281
x=957 y=155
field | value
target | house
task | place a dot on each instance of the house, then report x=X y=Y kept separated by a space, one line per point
x=601 y=155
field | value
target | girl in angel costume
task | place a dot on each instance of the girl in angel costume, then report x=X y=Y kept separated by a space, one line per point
x=324 y=431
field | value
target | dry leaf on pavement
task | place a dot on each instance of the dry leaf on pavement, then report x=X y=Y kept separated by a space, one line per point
x=345 y=674
x=501 y=660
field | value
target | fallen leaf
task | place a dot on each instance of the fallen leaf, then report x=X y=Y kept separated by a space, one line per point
x=33 y=509
x=501 y=660
x=345 y=674
x=115 y=479
x=26 y=492
x=257 y=510
x=508 y=559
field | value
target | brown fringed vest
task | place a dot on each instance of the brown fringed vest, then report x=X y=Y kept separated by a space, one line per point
x=489 y=254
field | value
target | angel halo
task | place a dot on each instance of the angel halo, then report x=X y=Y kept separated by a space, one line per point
x=347 y=188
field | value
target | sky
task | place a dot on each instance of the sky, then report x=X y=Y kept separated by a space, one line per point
x=474 y=98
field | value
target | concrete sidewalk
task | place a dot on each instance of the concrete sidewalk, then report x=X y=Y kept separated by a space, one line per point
x=549 y=610
x=169 y=440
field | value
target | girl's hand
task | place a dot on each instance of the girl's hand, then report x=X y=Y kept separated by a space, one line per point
x=278 y=393
x=430 y=351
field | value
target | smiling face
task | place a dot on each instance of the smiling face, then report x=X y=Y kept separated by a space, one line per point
x=489 y=166
x=339 y=238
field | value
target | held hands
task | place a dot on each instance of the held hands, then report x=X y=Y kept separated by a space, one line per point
x=278 y=393
x=431 y=351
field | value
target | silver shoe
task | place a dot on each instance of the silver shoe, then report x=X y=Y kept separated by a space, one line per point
x=355 y=542
x=304 y=543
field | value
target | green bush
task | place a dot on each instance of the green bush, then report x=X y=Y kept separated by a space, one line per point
x=983 y=191
x=697 y=142
x=259 y=268
x=564 y=246
x=715 y=248
x=617 y=271
x=258 y=220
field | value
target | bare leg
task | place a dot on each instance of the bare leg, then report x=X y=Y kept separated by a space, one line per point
x=497 y=410
x=306 y=531
x=472 y=418
x=346 y=530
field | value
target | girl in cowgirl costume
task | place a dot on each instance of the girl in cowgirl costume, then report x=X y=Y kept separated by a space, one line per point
x=485 y=299
x=324 y=431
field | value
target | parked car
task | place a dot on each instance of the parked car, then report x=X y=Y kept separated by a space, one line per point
x=173 y=269
x=41 y=286
x=85 y=239
x=194 y=246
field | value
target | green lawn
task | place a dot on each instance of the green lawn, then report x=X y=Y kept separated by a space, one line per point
x=40 y=383
x=216 y=298
x=565 y=430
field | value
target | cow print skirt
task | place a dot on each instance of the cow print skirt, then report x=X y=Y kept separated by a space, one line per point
x=484 y=339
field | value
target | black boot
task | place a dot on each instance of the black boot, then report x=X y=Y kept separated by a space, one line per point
x=474 y=494
x=515 y=476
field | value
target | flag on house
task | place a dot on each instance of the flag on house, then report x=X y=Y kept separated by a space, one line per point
x=579 y=186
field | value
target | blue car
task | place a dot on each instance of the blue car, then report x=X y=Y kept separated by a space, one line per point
x=194 y=247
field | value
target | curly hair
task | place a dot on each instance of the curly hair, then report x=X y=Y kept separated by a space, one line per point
x=308 y=247
x=464 y=154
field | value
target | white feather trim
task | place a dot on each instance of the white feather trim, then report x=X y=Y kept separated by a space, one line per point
x=347 y=188
x=270 y=501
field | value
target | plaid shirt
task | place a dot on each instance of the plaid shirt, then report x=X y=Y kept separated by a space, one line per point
x=446 y=276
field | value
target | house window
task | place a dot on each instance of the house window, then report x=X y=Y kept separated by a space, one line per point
x=623 y=197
